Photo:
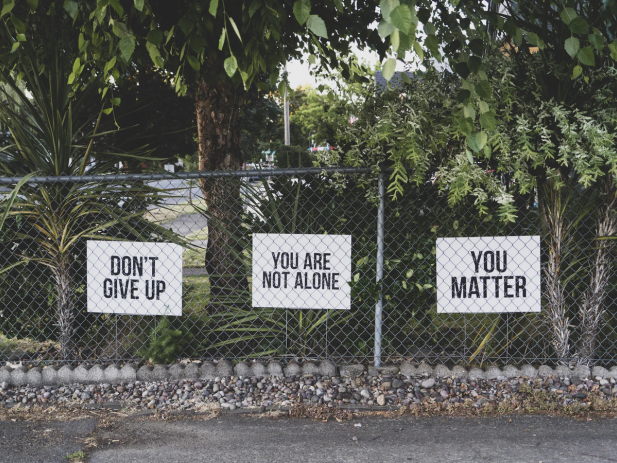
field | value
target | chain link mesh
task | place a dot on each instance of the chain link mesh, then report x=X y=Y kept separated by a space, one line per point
x=213 y=216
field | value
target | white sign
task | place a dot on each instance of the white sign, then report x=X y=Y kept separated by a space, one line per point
x=488 y=274
x=301 y=271
x=132 y=278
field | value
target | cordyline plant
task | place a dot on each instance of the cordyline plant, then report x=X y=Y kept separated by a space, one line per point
x=53 y=136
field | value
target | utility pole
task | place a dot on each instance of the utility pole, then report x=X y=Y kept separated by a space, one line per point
x=286 y=111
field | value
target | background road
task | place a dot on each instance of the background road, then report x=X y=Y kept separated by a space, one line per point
x=252 y=439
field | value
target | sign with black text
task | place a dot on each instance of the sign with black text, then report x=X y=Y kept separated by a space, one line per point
x=132 y=278
x=301 y=271
x=488 y=274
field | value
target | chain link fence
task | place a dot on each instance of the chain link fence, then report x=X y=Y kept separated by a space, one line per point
x=213 y=216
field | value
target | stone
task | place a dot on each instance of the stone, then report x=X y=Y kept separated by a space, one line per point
x=408 y=369
x=34 y=377
x=258 y=369
x=493 y=372
x=275 y=369
x=562 y=371
x=327 y=368
x=224 y=368
x=176 y=371
x=160 y=373
x=428 y=383
x=475 y=374
x=424 y=369
x=397 y=383
x=510 y=371
x=381 y=399
x=293 y=368
x=388 y=370
x=242 y=369
x=529 y=371
x=111 y=374
x=207 y=371
x=442 y=371
x=128 y=373
x=351 y=371
x=581 y=371
x=145 y=374
x=65 y=375
x=545 y=371
x=459 y=372
x=18 y=376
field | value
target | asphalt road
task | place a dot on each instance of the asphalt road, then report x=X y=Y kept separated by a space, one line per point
x=252 y=439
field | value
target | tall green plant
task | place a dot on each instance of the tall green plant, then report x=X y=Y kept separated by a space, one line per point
x=52 y=137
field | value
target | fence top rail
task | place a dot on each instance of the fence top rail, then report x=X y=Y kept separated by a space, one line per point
x=189 y=175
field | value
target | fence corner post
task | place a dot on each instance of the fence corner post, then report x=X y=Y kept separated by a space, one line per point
x=379 y=269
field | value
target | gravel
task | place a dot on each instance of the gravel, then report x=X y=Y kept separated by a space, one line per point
x=244 y=393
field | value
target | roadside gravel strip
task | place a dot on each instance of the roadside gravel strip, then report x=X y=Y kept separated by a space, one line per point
x=365 y=392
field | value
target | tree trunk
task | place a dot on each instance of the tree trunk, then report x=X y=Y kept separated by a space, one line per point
x=218 y=106
x=64 y=305
x=592 y=310
x=555 y=231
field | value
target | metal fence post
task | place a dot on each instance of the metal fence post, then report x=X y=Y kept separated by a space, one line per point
x=380 y=245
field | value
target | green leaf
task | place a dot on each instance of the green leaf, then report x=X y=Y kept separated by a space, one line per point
x=384 y=29
x=395 y=39
x=462 y=70
x=7 y=7
x=71 y=78
x=572 y=46
x=405 y=78
x=465 y=125
x=231 y=66
x=477 y=46
x=463 y=95
x=487 y=120
x=585 y=56
x=71 y=8
x=533 y=39
x=19 y=24
x=430 y=29
x=577 y=71
x=115 y=101
x=469 y=156
x=388 y=68
x=222 y=39
x=567 y=15
x=432 y=43
x=386 y=7
x=469 y=112
x=302 y=10
x=401 y=18
x=127 y=47
x=418 y=49
x=597 y=41
x=484 y=90
x=139 y=5
x=194 y=62
x=155 y=37
x=312 y=59
x=186 y=25
x=474 y=63
x=255 y=4
x=235 y=28
x=108 y=111
x=21 y=37
x=317 y=26
x=214 y=5
x=483 y=106
x=477 y=140
x=33 y=4
x=76 y=65
x=14 y=47
x=578 y=26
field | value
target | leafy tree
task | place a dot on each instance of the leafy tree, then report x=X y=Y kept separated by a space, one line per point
x=46 y=222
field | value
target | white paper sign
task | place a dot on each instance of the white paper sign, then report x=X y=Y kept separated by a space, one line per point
x=301 y=271
x=132 y=278
x=488 y=274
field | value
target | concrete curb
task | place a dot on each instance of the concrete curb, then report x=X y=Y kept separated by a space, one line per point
x=96 y=374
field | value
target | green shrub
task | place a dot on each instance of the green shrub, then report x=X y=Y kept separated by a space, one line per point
x=166 y=342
